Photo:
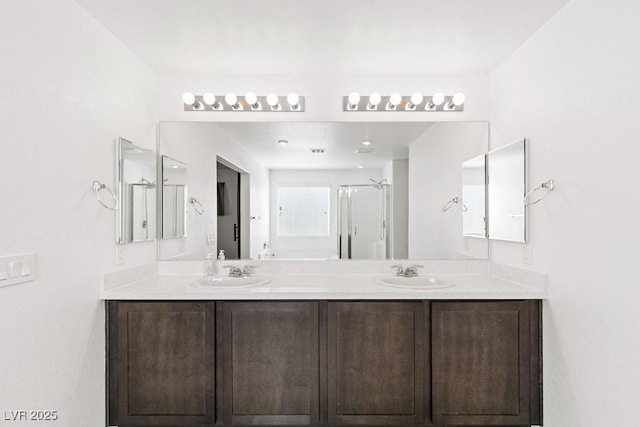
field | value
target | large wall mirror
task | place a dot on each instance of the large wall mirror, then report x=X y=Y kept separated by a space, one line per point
x=507 y=184
x=399 y=176
x=136 y=172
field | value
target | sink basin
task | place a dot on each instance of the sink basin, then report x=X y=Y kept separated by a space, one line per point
x=420 y=282
x=225 y=282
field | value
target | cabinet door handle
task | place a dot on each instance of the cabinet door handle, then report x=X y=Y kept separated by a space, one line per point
x=236 y=232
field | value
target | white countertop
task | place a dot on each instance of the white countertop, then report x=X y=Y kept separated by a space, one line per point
x=322 y=286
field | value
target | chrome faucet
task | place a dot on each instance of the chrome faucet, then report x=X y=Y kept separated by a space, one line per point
x=234 y=271
x=411 y=271
x=239 y=272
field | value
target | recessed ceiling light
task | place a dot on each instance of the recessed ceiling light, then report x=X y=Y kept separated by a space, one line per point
x=360 y=166
x=366 y=143
x=283 y=142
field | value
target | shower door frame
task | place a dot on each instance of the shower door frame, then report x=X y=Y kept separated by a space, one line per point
x=386 y=222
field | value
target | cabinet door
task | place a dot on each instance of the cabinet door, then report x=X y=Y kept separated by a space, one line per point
x=270 y=363
x=481 y=363
x=376 y=363
x=161 y=363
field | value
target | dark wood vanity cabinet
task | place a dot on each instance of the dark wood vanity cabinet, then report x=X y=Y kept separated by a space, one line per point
x=324 y=363
x=485 y=363
x=270 y=369
x=376 y=363
x=161 y=363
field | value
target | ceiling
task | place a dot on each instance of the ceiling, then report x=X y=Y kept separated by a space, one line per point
x=389 y=140
x=337 y=36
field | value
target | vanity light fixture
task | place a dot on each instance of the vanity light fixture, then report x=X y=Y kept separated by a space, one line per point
x=232 y=100
x=374 y=100
x=394 y=100
x=252 y=100
x=272 y=100
x=417 y=102
x=294 y=101
x=354 y=100
x=190 y=99
x=210 y=99
x=248 y=103
x=416 y=99
x=456 y=101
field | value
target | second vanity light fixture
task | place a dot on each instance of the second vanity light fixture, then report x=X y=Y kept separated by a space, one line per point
x=250 y=102
x=397 y=102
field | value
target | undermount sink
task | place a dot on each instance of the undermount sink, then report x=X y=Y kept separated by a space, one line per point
x=226 y=282
x=418 y=282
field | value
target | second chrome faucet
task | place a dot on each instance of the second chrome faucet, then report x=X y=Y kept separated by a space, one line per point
x=411 y=271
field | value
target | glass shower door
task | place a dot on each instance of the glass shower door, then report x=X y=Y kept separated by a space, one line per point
x=363 y=219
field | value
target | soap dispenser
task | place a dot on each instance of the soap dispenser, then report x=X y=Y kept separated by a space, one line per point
x=209 y=266
x=221 y=255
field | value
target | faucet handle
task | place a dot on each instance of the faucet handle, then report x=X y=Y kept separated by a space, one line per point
x=247 y=269
x=399 y=268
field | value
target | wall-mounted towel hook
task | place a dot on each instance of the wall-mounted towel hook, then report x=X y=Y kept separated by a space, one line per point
x=547 y=185
x=97 y=188
x=452 y=202
x=197 y=206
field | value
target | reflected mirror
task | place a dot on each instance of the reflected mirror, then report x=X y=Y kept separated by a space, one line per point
x=507 y=183
x=474 y=197
x=174 y=198
x=403 y=173
x=136 y=172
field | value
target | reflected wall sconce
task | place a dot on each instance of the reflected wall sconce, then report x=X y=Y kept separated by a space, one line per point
x=417 y=102
x=250 y=102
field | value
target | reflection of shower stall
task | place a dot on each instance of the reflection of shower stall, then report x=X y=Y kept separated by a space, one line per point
x=137 y=222
x=363 y=221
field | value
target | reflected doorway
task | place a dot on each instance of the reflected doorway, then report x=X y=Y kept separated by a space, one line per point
x=229 y=220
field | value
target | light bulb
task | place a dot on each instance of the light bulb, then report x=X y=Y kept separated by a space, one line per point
x=458 y=99
x=437 y=98
x=209 y=98
x=417 y=98
x=188 y=98
x=251 y=98
x=374 y=99
x=354 y=99
x=231 y=99
x=293 y=99
x=395 y=99
x=360 y=166
x=366 y=143
x=272 y=99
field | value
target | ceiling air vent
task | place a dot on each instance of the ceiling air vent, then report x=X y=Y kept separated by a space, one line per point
x=318 y=150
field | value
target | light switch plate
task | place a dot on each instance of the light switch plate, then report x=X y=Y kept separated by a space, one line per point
x=15 y=269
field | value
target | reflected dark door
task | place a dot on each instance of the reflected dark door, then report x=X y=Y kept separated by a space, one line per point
x=228 y=199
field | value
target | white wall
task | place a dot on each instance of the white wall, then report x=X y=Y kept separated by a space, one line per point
x=68 y=90
x=573 y=90
x=314 y=247
x=396 y=172
x=435 y=176
x=197 y=144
